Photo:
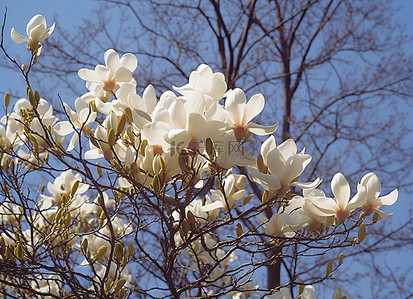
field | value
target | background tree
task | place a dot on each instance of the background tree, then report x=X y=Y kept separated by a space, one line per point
x=331 y=65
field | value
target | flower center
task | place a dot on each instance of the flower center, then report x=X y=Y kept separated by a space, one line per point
x=109 y=85
x=240 y=133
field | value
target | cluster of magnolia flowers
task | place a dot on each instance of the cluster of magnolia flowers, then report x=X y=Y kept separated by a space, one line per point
x=203 y=126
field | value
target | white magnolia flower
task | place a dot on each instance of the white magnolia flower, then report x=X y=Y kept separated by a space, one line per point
x=276 y=226
x=104 y=81
x=62 y=185
x=49 y=285
x=10 y=213
x=36 y=33
x=78 y=120
x=340 y=206
x=284 y=166
x=373 y=189
x=241 y=113
x=233 y=190
x=212 y=85
x=315 y=221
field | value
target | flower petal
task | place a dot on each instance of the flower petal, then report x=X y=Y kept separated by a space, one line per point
x=129 y=61
x=34 y=22
x=100 y=74
x=267 y=181
x=307 y=185
x=196 y=125
x=235 y=104
x=261 y=130
x=37 y=32
x=276 y=163
x=112 y=60
x=73 y=142
x=253 y=108
x=341 y=190
x=18 y=38
x=389 y=199
x=63 y=128
x=123 y=75
x=288 y=148
x=267 y=146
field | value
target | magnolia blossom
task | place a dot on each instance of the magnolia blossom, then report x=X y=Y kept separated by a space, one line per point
x=233 y=190
x=283 y=167
x=339 y=206
x=36 y=33
x=10 y=214
x=241 y=114
x=104 y=81
x=49 y=285
x=315 y=221
x=78 y=120
x=276 y=226
x=212 y=85
x=372 y=187
x=63 y=185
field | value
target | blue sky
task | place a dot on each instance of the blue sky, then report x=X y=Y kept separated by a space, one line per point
x=71 y=12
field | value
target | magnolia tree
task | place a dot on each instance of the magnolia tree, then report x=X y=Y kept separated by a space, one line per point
x=127 y=195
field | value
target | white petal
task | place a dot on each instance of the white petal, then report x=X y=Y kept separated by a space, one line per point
x=93 y=154
x=288 y=148
x=112 y=60
x=294 y=167
x=341 y=189
x=73 y=142
x=235 y=104
x=178 y=138
x=253 y=108
x=37 y=32
x=381 y=214
x=34 y=22
x=373 y=186
x=196 y=125
x=47 y=33
x=129 y=61
x=100 y=74
x=213 y=206
x=325 y=206
x=213 y=129
x=267 y=181
x=276 y=163
x=178 y=114
x=307 y=185
x=390 y=198
x=267 y=146
x=104 y=108
x=123 y=75
x=18 y=38
x=63 y=128
x=357 y=201
x=261 y=130
x=195 y=102
x=219 y=87
x=149 y=97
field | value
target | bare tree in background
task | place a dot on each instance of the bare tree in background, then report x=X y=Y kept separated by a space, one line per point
x=333 y=72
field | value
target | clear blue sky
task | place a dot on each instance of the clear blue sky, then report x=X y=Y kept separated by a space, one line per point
x=71 y=12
